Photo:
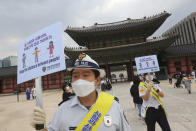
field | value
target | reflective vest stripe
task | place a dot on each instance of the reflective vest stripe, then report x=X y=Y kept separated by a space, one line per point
x=154 y=94
x=97 y=113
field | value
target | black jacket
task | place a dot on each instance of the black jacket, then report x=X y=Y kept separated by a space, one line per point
x=156 y=81
x=135 y=94
x=66 y=96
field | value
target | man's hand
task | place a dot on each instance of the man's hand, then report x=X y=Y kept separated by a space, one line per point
x=151 y=85
x=39 y=117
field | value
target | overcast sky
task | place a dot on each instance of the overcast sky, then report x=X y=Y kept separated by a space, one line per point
x=21 y=18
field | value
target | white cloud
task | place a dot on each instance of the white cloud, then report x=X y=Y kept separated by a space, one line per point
x=20 y=19
x=9 y=46
x=68 y=41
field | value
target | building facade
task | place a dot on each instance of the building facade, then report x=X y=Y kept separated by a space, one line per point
x=8 y=80
x=9 y=61
x=181 y=55
x=118 y=43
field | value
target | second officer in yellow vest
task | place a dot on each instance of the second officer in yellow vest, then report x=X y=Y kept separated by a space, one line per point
x=153 y=110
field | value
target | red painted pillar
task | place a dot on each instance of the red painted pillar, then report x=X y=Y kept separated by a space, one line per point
x=171 y=67
x=183 y=65
x=24 y=85
x=188 y=65
x=44 y=82
x=59 y=79
x=130 y=72
x=47 y=82
x=12 y=83
x=107 y=69
x=1 y=86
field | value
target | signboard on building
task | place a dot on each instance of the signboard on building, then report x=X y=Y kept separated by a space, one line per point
x=40 y=54
x=147 y=64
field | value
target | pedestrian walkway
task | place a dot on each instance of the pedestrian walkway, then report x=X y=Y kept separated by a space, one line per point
x=179 y=104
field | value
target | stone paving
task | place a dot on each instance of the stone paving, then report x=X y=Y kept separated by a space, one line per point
x=181 y=107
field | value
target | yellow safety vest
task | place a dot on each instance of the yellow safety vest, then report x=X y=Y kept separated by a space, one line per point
x=95 y=116
x=154 y=94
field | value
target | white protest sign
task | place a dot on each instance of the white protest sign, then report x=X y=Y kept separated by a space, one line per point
x=147 y=64
x=40 y=54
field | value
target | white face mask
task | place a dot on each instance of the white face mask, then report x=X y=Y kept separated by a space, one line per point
x=149 y=79
x=83 y=87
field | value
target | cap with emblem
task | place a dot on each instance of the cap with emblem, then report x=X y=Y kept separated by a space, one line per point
x=85 y=61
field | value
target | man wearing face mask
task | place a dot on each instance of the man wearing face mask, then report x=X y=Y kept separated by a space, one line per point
x=89 y=110
x=153 y=110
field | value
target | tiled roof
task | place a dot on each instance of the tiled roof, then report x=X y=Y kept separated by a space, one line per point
x=130 y=30
x=124 y=51
x=183 y=50
x=118 y=25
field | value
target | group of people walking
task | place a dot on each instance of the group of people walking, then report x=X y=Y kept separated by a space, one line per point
x=182 y=79
x=30 y=93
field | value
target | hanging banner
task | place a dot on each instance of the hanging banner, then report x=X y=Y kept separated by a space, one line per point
x=147 y=64
x=40 y=54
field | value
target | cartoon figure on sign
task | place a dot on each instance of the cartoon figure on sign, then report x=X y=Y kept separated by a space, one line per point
x=23 y=60
x=51 y=48
x=140 y=65
x=36 y=54
x=153 y=63
x=147 y=64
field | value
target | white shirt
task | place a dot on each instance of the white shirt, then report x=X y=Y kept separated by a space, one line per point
x=33 y=91
x=131 y=83
x=72 y=112
x=151 y=102
x=102 y=81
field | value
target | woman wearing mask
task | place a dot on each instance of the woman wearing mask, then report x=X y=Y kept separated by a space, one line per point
x=153 y=110
x=89 y=109
x=67 y=93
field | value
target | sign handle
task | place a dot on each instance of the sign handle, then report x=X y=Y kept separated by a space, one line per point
x=39 y=100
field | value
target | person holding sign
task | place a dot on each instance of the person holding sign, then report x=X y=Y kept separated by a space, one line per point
x=152 y=107
x=89 y=109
